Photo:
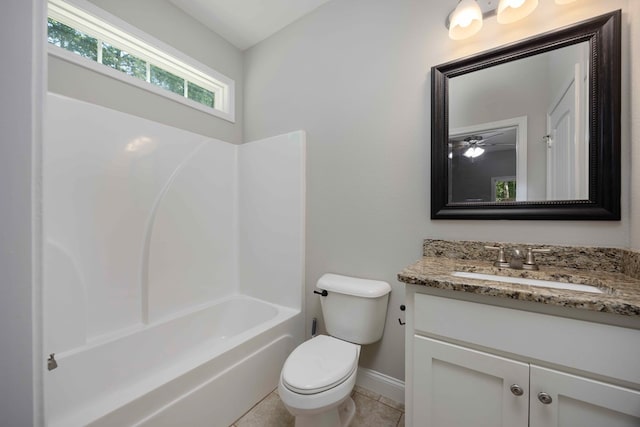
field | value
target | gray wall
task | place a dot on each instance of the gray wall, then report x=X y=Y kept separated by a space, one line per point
x=164 y=21
x=472 y=177
x=564 y=60
x=355 y=75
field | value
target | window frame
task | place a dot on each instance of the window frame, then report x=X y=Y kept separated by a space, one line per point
x=97 y=23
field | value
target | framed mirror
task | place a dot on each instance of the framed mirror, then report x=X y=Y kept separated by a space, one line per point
x=530 y=130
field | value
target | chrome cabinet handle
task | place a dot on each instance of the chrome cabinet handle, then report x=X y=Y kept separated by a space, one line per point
x=544 y=398
x=516 y=390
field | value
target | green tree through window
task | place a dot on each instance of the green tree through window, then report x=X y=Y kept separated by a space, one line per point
x=505 y=191
x=72 y=40
x=201 y=95
x=167 y=80
x=78 y=42
x=122 y=61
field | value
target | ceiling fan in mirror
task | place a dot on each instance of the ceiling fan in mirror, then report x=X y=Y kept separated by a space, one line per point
x=471 y=145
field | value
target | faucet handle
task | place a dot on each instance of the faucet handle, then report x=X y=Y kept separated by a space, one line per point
x=501 y=261
x=539 y=249
x=530 y=261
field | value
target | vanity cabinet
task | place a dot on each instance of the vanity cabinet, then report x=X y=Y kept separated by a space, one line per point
x=473 y=364
x=580 y=402
x=456 y=386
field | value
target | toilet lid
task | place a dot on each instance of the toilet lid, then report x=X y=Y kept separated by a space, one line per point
x=319 y=364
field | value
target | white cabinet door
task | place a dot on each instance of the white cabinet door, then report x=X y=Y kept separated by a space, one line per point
x=458 y=387
x=580 y=402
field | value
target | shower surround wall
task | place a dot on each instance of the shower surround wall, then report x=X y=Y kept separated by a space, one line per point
x=145 y=225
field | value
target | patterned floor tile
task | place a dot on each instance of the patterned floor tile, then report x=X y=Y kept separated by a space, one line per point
x=372 y=410
x=370 y=413
x=270 y=412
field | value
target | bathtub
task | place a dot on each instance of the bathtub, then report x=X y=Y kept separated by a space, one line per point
x=203 y=367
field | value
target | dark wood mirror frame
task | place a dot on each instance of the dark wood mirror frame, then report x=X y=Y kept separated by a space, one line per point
x=603 y=35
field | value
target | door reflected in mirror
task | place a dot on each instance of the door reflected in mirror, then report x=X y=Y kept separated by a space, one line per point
x=519 y=130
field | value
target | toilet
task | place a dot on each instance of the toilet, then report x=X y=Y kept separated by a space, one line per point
x=318 y=376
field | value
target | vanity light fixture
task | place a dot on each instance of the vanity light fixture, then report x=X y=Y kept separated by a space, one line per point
x=466 y=19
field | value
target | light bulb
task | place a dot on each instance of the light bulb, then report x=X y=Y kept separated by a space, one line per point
x=473 y=152
x=465 y=20
x=514 y=10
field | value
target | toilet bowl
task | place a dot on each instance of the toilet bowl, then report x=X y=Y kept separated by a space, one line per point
x=318 y=376
x=316 y=382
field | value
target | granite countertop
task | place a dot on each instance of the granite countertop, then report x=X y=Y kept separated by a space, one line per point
x=621 y=292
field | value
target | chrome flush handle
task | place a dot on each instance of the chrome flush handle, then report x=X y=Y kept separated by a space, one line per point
x=51 y=362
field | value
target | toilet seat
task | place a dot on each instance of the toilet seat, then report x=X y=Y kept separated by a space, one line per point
x=319 y=364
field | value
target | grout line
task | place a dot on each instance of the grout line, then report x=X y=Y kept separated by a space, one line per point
x=392 y=407
x=251 y=409
x=378 y=399
x=259 y=402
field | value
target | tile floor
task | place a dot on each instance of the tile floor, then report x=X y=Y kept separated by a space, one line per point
x=372 y=410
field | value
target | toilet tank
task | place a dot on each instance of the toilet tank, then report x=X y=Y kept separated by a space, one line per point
x=354 y=309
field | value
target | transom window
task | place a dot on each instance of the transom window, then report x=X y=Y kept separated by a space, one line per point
x=143 y=61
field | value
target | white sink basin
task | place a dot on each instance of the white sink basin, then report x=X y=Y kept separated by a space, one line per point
x=530 y=282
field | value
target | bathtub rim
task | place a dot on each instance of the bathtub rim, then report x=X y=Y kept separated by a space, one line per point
x=128 y=331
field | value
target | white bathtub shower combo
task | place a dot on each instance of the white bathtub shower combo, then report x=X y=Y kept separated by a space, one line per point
x=174 y=268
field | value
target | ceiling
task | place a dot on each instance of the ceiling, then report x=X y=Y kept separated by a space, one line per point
x=247 y=22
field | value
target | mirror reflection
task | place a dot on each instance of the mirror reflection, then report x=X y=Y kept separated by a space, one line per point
x=483 y=166
x=518 y=131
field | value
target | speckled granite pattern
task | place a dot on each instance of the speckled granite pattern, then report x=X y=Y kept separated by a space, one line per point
x=632 y=263
x=591 y=266
x=602 y=259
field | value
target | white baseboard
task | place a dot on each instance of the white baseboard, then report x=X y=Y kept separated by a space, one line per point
x=387 y=386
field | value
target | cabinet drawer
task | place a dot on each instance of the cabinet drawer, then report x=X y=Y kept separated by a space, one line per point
x=606 y=350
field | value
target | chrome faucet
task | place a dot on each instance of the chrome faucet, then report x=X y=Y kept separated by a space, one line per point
x=518 y=259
